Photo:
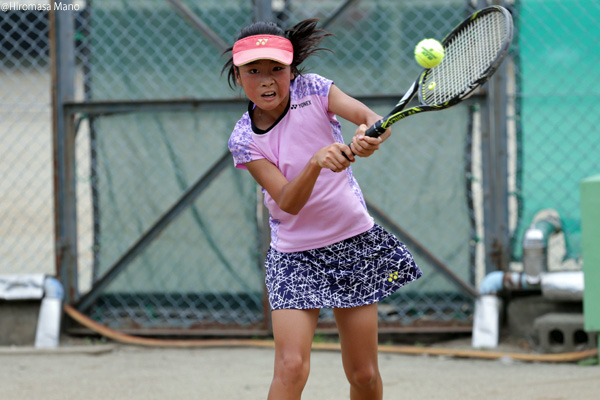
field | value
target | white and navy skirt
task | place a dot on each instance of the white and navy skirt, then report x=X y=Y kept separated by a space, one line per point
x=361 y=270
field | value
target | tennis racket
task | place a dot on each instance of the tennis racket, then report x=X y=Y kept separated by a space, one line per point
x=473 y=52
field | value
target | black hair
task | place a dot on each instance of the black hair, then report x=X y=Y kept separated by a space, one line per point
x=305 y=38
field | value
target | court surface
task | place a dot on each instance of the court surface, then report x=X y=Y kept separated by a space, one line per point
x=113 y=371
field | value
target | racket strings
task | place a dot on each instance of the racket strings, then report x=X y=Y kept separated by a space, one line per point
x=468 y=57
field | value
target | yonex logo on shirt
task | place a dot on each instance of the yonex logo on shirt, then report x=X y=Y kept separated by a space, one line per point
x=262 y=41
x=301 y=105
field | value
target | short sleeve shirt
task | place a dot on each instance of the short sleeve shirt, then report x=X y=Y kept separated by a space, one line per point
x=336 y=209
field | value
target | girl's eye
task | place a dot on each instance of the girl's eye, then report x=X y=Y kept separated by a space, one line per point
x=277 y=68
x=253 y=71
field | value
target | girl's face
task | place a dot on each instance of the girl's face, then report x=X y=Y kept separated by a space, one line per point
x=266 y=83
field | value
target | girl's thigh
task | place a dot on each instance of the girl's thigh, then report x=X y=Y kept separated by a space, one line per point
x=357 y=327
x=293 y=330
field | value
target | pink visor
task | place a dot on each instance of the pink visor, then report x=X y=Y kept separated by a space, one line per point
x=260 y=47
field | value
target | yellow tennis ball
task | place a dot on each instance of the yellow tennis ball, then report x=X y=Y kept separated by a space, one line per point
x=429 y=53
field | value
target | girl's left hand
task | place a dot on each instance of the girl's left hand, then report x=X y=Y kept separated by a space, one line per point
x=362 y=145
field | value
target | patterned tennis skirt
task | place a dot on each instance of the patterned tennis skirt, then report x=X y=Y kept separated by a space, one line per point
x=361 y=270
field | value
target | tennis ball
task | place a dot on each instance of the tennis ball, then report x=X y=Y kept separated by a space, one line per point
x=429 y=53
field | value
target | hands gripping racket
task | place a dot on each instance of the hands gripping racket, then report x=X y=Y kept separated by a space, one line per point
x=473 y=52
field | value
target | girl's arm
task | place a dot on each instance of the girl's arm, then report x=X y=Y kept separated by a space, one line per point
x=292 y=196
x=356 y=112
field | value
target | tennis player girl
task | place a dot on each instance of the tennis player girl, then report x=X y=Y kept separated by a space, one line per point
x=325 y=249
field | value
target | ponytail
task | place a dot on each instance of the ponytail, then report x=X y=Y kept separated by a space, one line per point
x=305 y=37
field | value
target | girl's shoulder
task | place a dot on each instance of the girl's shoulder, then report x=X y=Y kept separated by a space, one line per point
x=242 y=132
x=240 y=141
x=311 y=84
x=244 y=123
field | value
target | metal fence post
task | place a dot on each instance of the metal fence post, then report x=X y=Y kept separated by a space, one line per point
x=62 y=54
x=497 y=232
x=495 y=171
x=263 y=10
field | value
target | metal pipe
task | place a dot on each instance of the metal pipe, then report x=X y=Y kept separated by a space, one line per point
x=62 y=58
x=498 y=281
x=559 y=285
x=563 y=285
x=263 y=10
x=535 y=245
x=555 y=286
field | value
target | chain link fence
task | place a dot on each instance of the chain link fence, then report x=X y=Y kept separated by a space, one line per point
x=170 y=238
x=205 y=269
x=557 y=135
x=26 y=181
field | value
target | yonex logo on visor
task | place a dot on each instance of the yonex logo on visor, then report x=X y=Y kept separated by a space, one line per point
x=261 y=47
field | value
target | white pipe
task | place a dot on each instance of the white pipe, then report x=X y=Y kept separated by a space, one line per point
x=555 y=286
x=486 y=319
x=47 y=333
x=563 y=285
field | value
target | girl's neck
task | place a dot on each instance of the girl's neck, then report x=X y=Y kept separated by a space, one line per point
x=265 y=119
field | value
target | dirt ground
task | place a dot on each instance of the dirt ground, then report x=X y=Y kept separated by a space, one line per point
x=115 y=371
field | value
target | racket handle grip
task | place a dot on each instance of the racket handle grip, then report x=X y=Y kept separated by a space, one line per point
x=376 y=129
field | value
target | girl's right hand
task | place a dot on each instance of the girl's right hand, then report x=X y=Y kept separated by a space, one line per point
x=331 y=157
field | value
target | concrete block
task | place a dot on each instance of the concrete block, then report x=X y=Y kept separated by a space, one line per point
x=18 y=322
x=563 y=332
x=522 y=311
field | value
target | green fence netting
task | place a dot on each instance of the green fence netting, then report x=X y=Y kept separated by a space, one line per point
x=558 y=102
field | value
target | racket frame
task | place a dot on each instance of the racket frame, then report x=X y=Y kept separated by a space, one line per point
x=398 y=111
